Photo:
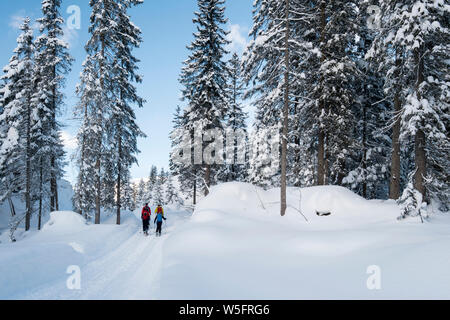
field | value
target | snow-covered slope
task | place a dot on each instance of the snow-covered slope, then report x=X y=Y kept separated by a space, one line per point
x=237 y=246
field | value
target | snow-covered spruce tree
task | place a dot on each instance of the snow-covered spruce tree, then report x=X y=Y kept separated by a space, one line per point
x=16 y=118
x=127 y=194
x=277 y=56
x=264 y=165
x=123 y=130
x=304 y=64
x=159 y=189
x=9 y=138
x=335 y=90
x=204 y=79
x=108 y=194
x=304 y=126
x=4 y=189
x=388 y=57
x=182 y=166
x=141 y=197
x=419 y=33
x=88 y=140
x=425 y=113
x=369 y=162
x=236 y=128
x=134 y=187
x=171 y=195
x=53 y=62
x=323 y=77
x=97 y=91
x=175 y=137
x=411 y=202
x=164 y=175
x=150 y=185
x=263 y=65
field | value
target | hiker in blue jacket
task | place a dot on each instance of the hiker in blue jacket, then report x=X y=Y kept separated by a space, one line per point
x=159 y=212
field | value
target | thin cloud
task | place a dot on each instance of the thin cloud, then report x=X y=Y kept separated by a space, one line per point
x=70 y=36
x=16 y=21
x=238 y=38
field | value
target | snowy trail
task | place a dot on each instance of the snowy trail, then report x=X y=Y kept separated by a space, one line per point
x=110 y=276
x=131 y=271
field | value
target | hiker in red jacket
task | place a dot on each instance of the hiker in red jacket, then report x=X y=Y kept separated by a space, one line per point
x=146 y=212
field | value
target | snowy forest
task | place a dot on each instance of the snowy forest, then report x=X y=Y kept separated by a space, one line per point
x=351 y=94
x=357 y=106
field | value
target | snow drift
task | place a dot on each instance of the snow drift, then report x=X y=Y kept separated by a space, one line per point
x=237 y=246
x=65 y=194
x=64 y=222
x=345 y=206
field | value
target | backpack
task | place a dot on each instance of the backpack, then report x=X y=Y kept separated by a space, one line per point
x=159 y=210
x=146 y=213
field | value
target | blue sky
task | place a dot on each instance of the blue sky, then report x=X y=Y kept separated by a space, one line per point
x=167 y=28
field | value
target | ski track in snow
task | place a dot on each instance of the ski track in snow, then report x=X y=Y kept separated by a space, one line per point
x=135 y=277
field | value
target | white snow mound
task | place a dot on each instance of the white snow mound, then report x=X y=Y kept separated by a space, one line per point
x=65 y=222
x=343 y=205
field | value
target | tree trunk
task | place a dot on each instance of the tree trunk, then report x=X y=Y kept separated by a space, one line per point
x=56 y=195
x=321 y=171
x=134 y=197
x=82 y=174
x=98 y=194
x=195 y=191
x=326 y=159
x=54 y=206
x=285 y=117
x=207 y=178
x=28 y=170
x=420 y=162
x=119 y=173
x=235 y=142
x=297 y=161
x=40 y=194
x=321 y=159
x=98 y=162
x=12 y=209
x=53 y=183
x=394 y=185
x=52 y=186
x=364 y=160
x=420 y=139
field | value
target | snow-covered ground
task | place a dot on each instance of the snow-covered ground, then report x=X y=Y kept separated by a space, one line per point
x=65 y=193
x=236 y=246
x=115 y=262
